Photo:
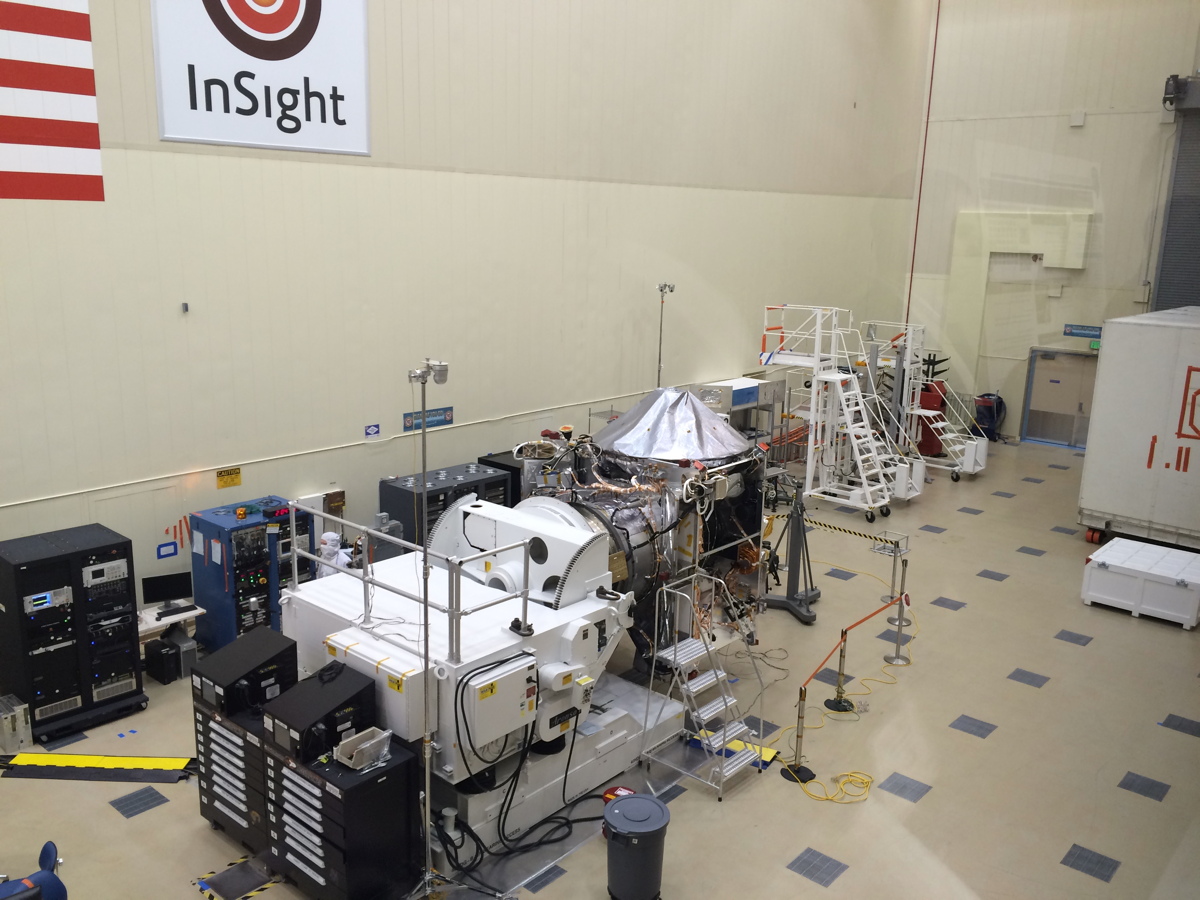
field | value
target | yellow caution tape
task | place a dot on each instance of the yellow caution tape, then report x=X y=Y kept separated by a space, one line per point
x=851 y=532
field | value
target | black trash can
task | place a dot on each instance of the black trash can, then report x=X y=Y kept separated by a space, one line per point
x=636 y=829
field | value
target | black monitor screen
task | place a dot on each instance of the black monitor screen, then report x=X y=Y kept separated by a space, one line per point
x=162 y=588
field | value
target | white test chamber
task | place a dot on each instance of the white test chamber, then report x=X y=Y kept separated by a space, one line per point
x=1141 y=474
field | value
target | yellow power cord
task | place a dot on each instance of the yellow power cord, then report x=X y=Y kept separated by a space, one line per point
x=860 y=781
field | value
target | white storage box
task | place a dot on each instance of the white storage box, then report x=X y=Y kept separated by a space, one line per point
x=1144 y=578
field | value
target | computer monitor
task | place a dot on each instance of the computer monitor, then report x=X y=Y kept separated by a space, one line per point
x=167 y=590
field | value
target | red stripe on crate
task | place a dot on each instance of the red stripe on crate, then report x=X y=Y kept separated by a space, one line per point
x=49 y=132
x=40 y=20
x=30 y=76
x=46 y=186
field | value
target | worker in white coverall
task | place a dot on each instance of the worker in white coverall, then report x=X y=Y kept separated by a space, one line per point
x=331 y=551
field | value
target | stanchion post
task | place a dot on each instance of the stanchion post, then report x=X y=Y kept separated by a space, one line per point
x=898 y=658
x=839 y=703
x=797 y=773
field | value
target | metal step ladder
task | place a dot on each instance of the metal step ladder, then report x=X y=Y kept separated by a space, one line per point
x=703 y=686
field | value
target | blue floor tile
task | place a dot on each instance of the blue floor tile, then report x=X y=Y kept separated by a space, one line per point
x=1089 y=862
x=1005 y=494
x=1073 y=637
x=1147 y=787
x=535 y=884
x=947 y=603
x=1031 y=678
x=671 y=793
x=761 y=727
x=840 y=574
x=817 y=867
x=976 y=727
x=61 y=742
x=970 y=510
x=138 y=802
x=1032 y=551
x=847 y=509
x=932 y=529
x=1034 y=480
x=1179 y=723
x=902 y=786
x=890 y=636
x=1060 y=530
x=995 y=576
x=829 y=676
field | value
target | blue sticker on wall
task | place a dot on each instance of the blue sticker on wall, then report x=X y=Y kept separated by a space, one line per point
x=170 y=548
x=442 y=416
x=1083 y=331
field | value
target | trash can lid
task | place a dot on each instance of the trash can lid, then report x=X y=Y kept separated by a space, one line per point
x=637 y=814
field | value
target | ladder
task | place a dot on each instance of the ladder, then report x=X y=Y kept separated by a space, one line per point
x=715 y=718
x=845 y=461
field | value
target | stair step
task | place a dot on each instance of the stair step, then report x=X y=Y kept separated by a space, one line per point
x=715 y=708
x=703 y=682
x=682 y=653
x=719 y=740
x=738 y=761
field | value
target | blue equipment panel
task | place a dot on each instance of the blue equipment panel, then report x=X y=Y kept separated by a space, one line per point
x=239 y=567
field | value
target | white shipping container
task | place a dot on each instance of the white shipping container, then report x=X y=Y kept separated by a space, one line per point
x=1141 y=474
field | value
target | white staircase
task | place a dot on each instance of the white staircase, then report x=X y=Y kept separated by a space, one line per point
x=846 y=462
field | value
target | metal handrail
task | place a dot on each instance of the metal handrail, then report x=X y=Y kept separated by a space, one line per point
x=454 y=610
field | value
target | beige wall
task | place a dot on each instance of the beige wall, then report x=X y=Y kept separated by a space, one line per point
x=1009 y=74
x=536 y=170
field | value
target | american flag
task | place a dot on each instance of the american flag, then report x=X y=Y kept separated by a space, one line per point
x=49 y=136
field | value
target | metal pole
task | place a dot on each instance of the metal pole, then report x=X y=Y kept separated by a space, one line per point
x=797 y=772
x=898 y=658
x=366 y=581
x=841 y=682
x=427 y=738
x=295 y=544
x=899 y=619
x=455 y=614
x=662 y=309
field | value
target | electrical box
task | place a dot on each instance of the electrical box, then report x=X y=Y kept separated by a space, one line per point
x=15 y=731
x=320 y=712
x=245 y=674
x=68 y=628
x=500 y=700
x=241 y=560
x=401 y=497
x=1141 y=475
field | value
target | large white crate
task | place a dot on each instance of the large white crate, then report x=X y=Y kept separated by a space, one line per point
x=1139 y=475
x=1145 y=578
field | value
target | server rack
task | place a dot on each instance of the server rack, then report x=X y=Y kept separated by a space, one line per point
x=341 y=834
x=400 y=496
x=68 y=628
x=508 y=462
x=240 y=565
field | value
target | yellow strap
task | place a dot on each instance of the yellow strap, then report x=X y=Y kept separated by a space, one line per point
x=380 y=663
x=68 y=760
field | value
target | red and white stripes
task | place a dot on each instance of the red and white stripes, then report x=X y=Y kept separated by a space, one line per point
x=49 y=137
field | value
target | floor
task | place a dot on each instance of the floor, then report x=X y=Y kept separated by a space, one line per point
x=1013 y=759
